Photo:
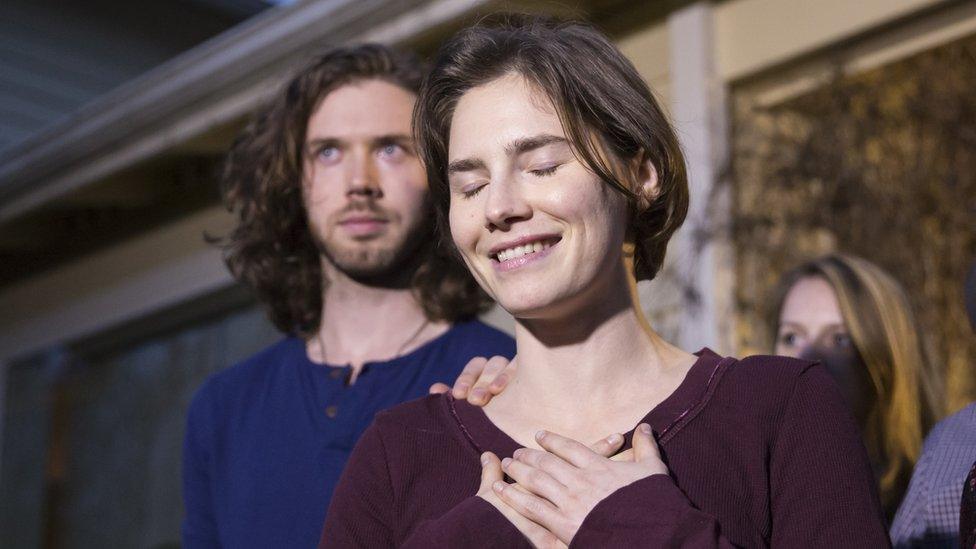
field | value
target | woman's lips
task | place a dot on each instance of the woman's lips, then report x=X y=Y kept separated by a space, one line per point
x=519 y=256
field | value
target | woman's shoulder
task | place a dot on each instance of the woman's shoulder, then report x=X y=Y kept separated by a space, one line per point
x=428 y=414
x=771 y=369
x=767 y=381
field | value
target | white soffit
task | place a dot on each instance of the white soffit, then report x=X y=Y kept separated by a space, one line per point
x=217 y=82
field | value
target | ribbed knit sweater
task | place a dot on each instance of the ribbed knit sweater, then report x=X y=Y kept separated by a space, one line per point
x=760 y=451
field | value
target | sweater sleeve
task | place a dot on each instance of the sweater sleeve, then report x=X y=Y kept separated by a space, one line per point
x=199 y=528
x=362 y=510
x=652 y=512
x=472 y=523
x=822 y=490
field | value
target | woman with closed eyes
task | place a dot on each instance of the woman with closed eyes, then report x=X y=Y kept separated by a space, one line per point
x=559 y=181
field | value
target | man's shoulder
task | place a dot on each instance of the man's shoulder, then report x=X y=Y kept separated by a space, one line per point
x=252 y=372
x=265 y=361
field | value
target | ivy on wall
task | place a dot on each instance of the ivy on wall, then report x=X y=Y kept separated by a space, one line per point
x=880 y=164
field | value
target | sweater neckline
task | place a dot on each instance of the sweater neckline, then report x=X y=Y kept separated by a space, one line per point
x=666 y=419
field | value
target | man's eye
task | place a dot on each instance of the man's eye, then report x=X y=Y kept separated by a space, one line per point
x=328 y=153
x=788 y=338
x=391 y=150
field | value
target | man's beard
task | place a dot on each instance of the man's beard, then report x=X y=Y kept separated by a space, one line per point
x=388 y=262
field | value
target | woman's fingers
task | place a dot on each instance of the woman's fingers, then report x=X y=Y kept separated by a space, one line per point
x=530 y=506
x=568 y=449
x=438 y=388
x=484 y=387
x=552 y=464
x=534 y=479
x=472 y=370
x=626 y=455
x=646 y=451
x=491 y=471
x=608 y=446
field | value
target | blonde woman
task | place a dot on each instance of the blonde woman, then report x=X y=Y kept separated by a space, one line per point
x=855 y=318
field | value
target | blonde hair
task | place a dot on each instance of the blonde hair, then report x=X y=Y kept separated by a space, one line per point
x=879 y=319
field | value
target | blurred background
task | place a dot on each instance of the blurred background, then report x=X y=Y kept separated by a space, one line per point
x=810 y=126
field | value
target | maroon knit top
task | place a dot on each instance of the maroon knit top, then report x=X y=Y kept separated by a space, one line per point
x=761 y=451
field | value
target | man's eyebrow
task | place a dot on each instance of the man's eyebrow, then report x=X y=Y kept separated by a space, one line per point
x=316 y=142
x=526 y=144
x=393 y=138
x=465 y=165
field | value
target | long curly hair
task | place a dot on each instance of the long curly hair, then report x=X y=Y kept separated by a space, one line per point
x=879 y=318
x=271 y=249
x=608 y=112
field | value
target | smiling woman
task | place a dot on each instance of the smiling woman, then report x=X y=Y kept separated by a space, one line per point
x=560 y=182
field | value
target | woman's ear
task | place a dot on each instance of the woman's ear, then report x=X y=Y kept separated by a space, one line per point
x=646 y=183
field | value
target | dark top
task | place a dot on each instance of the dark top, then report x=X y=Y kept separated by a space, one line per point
x=967 y=511
x=266 y=440
x=761 y=452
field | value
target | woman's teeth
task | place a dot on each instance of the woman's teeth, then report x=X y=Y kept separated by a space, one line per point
x=518 y=251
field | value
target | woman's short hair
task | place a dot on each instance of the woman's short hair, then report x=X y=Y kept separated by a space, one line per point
x=606 y=109
x=272 y=249
x=879 y=318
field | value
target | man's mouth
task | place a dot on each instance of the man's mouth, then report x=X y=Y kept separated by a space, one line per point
x=363 y=225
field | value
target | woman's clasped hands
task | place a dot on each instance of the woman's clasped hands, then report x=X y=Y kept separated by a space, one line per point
x=557 y=487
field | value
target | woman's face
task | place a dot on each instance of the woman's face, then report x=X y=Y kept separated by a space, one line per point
x=811 y=317
x=540 y=232
x=811 y=327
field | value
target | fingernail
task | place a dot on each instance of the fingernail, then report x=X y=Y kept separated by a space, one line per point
x=506 y=462
x=499 y=382
x=645 y=428
x=478 y=393
x=540 y=435
x=498 y=486
x=484 y=459
x=517 y=453
x=613 y=439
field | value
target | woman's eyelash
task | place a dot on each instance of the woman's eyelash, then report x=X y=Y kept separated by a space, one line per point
x=545 y=171
x=472 y=192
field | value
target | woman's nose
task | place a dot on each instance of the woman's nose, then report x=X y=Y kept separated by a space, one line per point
x=505 y=205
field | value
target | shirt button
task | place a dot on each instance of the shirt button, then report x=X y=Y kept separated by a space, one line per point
x=332 y=411
x=336 y=373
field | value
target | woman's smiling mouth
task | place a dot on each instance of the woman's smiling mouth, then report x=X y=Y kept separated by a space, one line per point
x=516 y=253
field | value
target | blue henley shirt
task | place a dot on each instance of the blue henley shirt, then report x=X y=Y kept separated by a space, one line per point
x=266 y=440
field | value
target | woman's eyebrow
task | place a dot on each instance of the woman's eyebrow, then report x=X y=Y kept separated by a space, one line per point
x=465 y=165
x=526 y=144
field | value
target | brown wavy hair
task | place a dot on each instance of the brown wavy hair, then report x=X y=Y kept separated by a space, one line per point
x=271 y=249
x=878 y=316
x=606 y=109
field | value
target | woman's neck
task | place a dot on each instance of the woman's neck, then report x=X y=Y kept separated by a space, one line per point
x=603 y=368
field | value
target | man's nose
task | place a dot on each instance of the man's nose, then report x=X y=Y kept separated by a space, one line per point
x=505 y=205
x=362 y=179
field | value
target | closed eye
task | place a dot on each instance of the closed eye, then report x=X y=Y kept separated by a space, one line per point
x=472 y=192
x=543 y=172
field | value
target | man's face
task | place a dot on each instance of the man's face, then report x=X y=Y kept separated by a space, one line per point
x=364 y=188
